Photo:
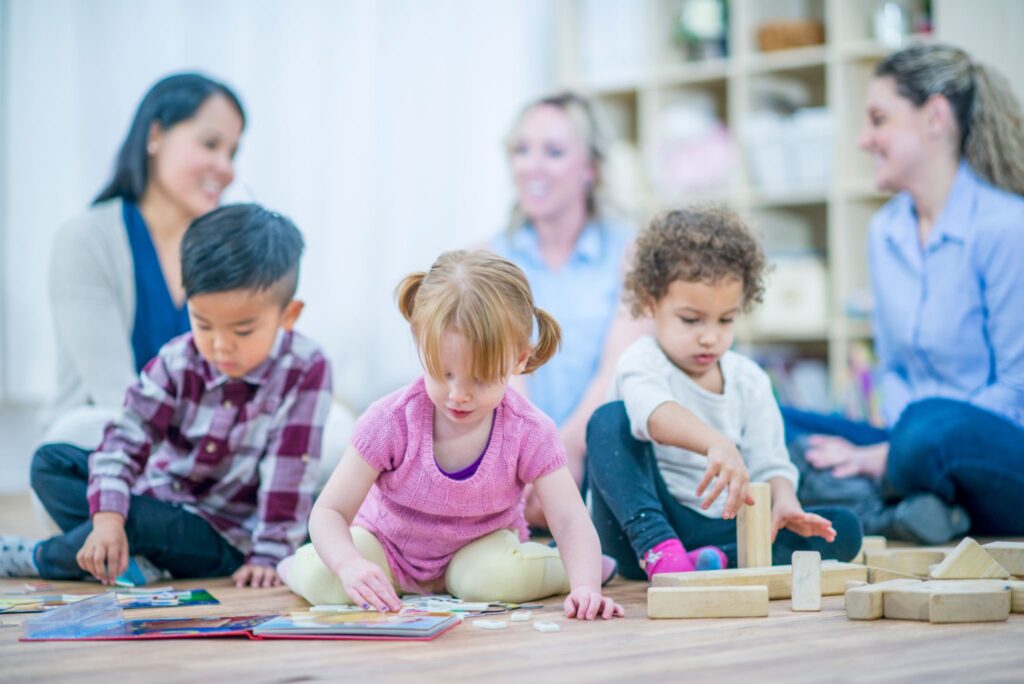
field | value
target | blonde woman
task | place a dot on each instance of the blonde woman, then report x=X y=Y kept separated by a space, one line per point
x=947 y=264
x=574 y=256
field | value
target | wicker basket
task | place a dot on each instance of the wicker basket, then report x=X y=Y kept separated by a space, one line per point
x=782 y=35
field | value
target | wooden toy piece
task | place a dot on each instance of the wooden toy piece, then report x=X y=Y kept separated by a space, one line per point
x=969 y=561
x=962 y=602
x=855 y=584
x=777 y=578
x=754 y=528
x=707 y=602
x=913 y=562
x=806 y=590
x=870 y=544
x=1016 y=596
x=867 y=602
x=1016 y=589
x=969 y=606
x=1008 y=554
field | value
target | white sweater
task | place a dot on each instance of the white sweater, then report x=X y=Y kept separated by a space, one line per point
x=746 y=413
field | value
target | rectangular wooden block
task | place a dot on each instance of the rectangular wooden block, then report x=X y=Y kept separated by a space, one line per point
x=967 y=602
x=867 y=602
x=778 y=578
x=1010 y=555
x=754 y=528
x=904 y=561
x=870 y=544
x=806 y=591
x=1016 y=596
x=969 y=561
x=969 y=606
x=707 y=602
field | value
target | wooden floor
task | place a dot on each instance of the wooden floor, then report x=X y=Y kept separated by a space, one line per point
x=785 y=647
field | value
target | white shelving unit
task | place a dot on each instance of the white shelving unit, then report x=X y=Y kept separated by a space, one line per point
x=830 y=218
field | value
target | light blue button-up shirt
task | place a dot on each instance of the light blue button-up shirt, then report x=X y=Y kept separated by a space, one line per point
x=949 y=317
x=582 y=295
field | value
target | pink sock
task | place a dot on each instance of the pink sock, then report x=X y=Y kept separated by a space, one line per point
x=671 y=556
x=668 y=556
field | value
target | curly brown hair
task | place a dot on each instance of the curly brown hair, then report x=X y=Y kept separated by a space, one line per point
x=695 y=244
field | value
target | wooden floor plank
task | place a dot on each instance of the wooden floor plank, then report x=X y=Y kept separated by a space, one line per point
x=786 y=646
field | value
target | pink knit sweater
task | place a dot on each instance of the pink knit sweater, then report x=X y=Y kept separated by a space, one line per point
x=421 y=516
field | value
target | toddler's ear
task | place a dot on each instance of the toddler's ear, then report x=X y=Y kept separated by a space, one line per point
x=521 y=362
x=291 y=313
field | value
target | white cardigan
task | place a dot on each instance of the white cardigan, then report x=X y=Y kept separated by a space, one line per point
x=92 y=300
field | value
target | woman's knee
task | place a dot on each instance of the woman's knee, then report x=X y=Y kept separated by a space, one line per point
x=919 y=439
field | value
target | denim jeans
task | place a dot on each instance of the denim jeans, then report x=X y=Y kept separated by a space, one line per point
x=963 y=454
x=171 y=537
x=633 y=510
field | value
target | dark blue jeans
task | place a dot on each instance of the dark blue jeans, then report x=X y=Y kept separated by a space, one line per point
x=172 y=538
x=961 y=453
x=633 y=510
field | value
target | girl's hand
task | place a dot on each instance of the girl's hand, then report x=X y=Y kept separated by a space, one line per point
x=256 y=576
x=104 y=554
x=368 y=586
x=585 y=603
x=725 y=463
x=792 y=516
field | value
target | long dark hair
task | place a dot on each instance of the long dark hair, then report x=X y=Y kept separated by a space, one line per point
x=173 y=99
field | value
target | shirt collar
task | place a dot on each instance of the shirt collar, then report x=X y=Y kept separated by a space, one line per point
x=953 y=222
x=213 y=378
x=588 y=248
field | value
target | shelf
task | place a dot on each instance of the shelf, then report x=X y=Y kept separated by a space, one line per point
x=788 y=198
x=688 y=73
x=871 y=49
x=787 y=60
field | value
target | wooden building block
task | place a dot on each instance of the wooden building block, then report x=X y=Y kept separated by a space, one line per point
x=969 y=606
x=876 y=575
x=707 y=602
x=968 y=601
x=904 y=561
x=855 y=584
x=1008 y=554
x=1016 y=596
x=806 y=583
x=870 y=544
x=969 y=561
x=866 y=602
x=778 y=578
x=754 y=528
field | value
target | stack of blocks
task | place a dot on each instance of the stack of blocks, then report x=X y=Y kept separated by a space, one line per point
x=746 y=590
x=973 y=583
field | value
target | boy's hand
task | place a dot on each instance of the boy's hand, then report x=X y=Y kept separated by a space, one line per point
x=256 y=576
x=368 y=586
x=585 y=603
x=104 y=554
x=725 y=463
x=790 y=514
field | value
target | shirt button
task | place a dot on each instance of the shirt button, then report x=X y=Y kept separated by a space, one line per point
x=228 y=405
x=305 y=458
x=210 y=447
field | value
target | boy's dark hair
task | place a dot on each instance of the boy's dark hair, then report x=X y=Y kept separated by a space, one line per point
x=170 y=101
x=241 y=247
x=697 y=244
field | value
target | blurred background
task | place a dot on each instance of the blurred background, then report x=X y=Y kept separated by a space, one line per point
x=378 y=126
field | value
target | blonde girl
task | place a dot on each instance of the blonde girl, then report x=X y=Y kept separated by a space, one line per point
x=429 y=496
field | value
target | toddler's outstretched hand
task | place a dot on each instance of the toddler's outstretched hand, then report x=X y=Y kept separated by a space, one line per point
x=585 y=603
x=725 y=463
x=792 y=516
x=368 y=586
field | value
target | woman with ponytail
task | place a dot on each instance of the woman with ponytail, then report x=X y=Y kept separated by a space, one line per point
x=947 y=264
x=429 y=496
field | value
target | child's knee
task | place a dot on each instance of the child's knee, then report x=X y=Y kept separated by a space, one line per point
x=606 y=423
x=308 y=577
x=498 y=567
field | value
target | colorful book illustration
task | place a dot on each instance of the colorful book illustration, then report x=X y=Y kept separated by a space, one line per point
x=100 y=618
x=161 y=598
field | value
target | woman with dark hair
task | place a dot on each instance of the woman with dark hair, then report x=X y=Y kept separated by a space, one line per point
x=115 y=271
x=946 y=257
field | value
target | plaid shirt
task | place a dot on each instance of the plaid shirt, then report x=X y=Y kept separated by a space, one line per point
x=240 y=453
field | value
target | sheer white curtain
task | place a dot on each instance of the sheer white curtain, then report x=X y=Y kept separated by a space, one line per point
x=376 y=126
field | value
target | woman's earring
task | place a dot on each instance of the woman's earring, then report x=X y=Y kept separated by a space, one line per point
x=151 y=148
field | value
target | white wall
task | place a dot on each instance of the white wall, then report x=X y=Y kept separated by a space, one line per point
x=376 y=126
x=990 y=30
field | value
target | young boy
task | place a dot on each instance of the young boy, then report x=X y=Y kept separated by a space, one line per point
x=691 y=421
x=210 y=469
